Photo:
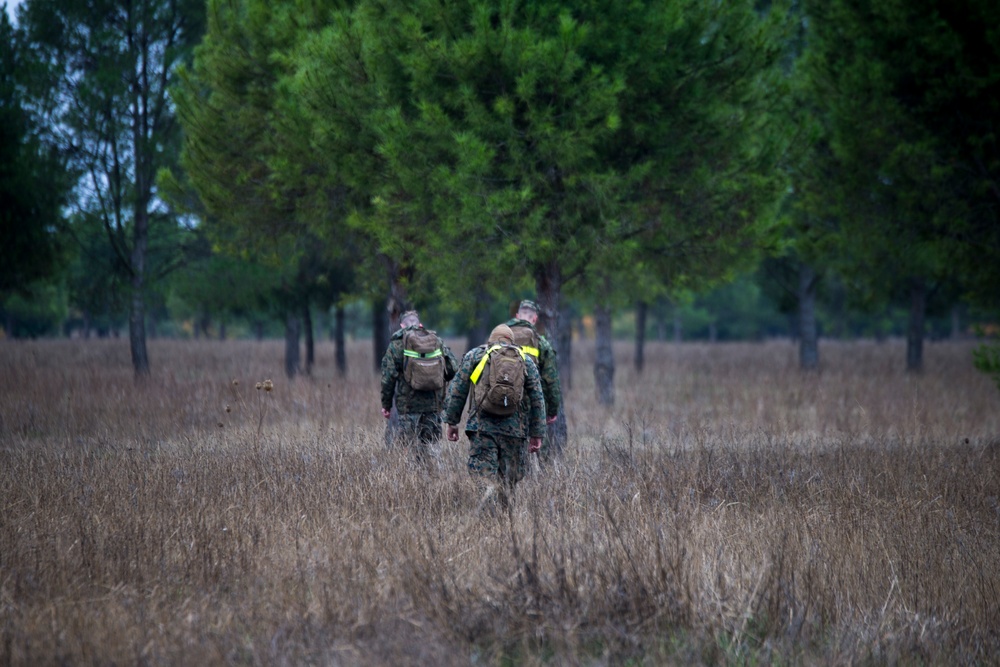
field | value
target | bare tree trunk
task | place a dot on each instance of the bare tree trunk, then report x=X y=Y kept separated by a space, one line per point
x=292 y=332
x=137 y=307
x=678 y=327
x=808 y=337
x=307 y=329
x=480 y=329
x=956 y=322
x=222 y=330
x=548 y=287
x=340 y=349
x=398 y=302
x=915 y=330
x=641 y=310
x=566 y=347
x=380 y=332
x=604 y=361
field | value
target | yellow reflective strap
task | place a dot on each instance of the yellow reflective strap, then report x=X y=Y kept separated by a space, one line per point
x=533 y=351
x=422 y=355
x=482 y=364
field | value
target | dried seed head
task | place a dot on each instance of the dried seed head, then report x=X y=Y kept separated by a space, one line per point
x=236 y=383
x=220 y=424
x=228 y=408
x=268 y=385
x=259 y=385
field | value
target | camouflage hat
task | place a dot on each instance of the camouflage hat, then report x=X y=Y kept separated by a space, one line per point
x=501 y=332
x=528 y=304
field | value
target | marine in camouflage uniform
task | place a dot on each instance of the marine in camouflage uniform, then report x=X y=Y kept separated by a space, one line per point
x=419 y=411
x=498 y=446
x=548 y=369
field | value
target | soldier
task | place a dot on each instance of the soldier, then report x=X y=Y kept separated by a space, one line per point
x=526 y=336
x=416 y=368
x=498 y=445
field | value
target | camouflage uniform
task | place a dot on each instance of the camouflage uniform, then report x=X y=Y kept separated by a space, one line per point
x=548 y=369
x=498 y=446
x=419 y=411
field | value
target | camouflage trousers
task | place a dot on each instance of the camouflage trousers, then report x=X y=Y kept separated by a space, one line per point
x=419 y=433
x=493 y=456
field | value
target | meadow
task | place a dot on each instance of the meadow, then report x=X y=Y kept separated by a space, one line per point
x=729 y=509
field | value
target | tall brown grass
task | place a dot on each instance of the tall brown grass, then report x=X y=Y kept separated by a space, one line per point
x=727 y=509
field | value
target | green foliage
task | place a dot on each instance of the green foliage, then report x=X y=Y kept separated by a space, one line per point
x=33 y=179
x=907 y=93
x=522 y=140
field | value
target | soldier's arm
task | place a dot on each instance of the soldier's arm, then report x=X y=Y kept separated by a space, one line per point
x=549 y=371
x=450 y=362
x=390 y=374
x=458 y=392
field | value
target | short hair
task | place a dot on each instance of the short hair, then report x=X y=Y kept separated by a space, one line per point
x=410 y=315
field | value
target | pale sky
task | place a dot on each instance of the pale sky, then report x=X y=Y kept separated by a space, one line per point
x=11 y=4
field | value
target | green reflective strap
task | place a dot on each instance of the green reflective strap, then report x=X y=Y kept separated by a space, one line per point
x=482 y=364
x=422 y=355
x=533 y=351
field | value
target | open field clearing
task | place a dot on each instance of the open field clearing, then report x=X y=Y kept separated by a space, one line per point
x=728 y=509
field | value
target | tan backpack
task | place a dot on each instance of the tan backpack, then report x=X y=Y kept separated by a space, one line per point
x=499 y=380
x=423 y=360
x=526 y=338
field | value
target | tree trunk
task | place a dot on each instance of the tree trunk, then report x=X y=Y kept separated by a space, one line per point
x=380 y=332
x=258 y=330
x=292 y=332
x=915 y=330
x=398 y=302
x=222 y=330
x=338 y=341
x=480 y=329
x=678 y=327
x=307 y=329
x=604 y=361
x=808 y=338
x=548 y=287
x=713 y=333
x=566 y=347
x=137 y=307
x=641 y=310
x=956 y=322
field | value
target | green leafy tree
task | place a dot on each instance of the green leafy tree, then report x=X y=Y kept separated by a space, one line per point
x=528 y=138
x=33 y=177
x=909 y=92
x=109 y=64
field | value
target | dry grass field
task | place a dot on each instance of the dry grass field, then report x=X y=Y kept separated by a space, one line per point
x=728 y=510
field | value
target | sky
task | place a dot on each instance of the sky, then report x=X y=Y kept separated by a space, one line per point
x=11 y=4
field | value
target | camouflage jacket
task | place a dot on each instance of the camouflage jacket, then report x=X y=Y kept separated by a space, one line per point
x=409 y=400
x=514 y=425
x=548 y=369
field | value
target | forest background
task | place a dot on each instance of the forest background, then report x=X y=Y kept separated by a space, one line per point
x=741 y=171
x=772 y=174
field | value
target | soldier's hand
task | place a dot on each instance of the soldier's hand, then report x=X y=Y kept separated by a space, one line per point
x=534 y=444
x=386 y=413
x=552 y=419
x=453 y=432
